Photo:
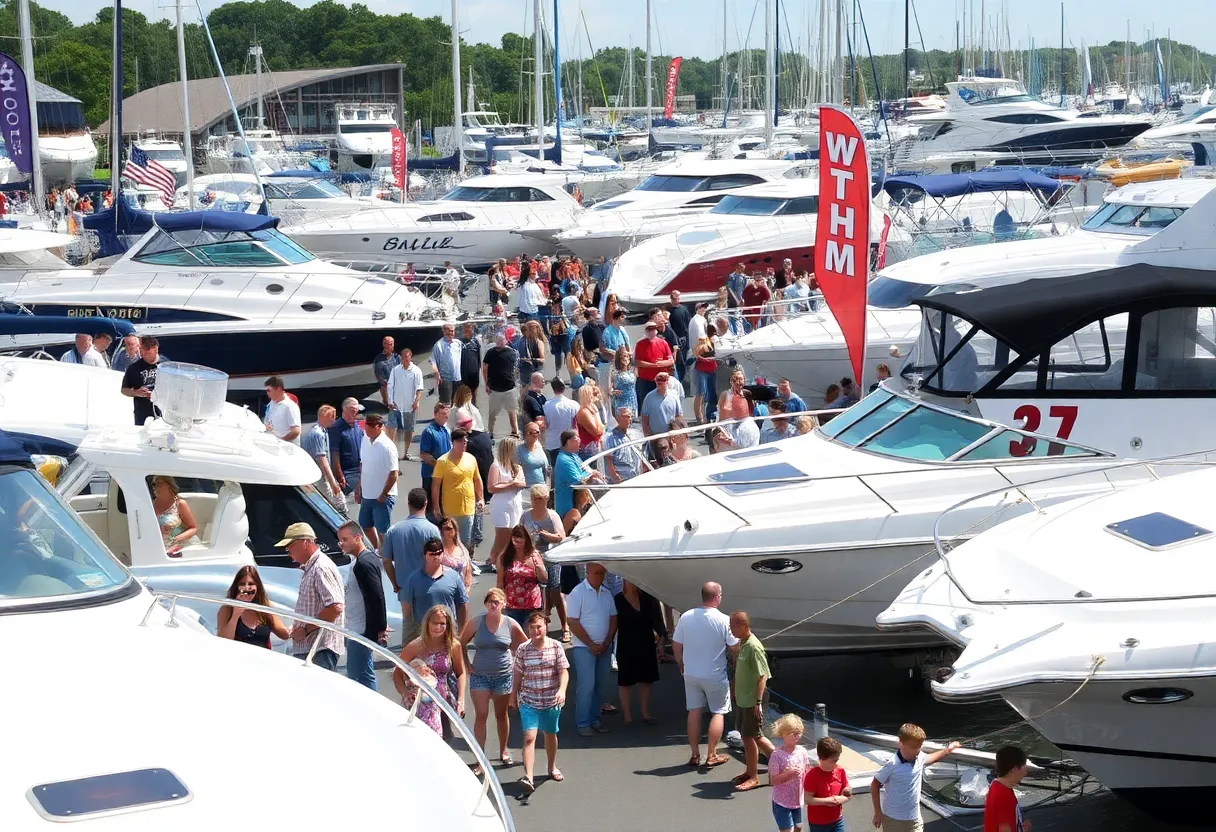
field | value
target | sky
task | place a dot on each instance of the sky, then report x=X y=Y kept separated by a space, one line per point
x=694 y=27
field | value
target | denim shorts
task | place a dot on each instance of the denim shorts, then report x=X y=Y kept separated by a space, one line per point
x=401 y=419
x=375 y=514
x=555 y=576
x=497 y=685
x=545 y=721
x=787 y=818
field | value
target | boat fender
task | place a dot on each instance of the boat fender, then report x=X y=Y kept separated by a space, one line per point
x=691 y=526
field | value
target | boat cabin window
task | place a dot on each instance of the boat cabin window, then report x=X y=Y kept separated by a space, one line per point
x=708 y=200
x=753 y=206
x=472 y=193
x=192 y=248
x=319 y=189
x=893 y=293
x=366 y=127
x=1025 y=118
x=1177 y=350
x=47 y=552
x=731 y=181
x=1090 y=358
x=953 y=356
x=272 y=508
x=451 y=216
x=166 y=154
x=1115 y=218
x=661 y=182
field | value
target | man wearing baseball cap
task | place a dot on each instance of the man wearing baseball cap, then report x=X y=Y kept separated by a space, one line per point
x=652 y=356
x=321 y=596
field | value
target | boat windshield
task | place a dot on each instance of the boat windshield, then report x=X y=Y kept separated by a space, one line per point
x=472 y=193
x=167 y=154
x=196 y=247
x=365 y=127
x=661 y=182
x=1142 y=220
x=753 y=206
x=892 y=293
x=306 y=190
x=904 y=428
x=46 y=551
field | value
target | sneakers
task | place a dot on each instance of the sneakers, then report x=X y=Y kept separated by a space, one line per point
x=599 y=727
x=585 y=731
x=408 y=457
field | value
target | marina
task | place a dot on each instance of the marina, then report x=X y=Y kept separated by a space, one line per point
x=849 y=385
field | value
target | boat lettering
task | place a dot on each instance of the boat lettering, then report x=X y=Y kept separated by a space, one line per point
x=126 y=313
x=427 y=243
x=1029 y=417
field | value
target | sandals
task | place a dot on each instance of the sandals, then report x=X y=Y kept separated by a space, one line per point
x=747 y=785
x=716 y=760
x=566 y=636
x=649 y=720
x=608 y=709
x=556 y=775
x=507 y=760
x=528 y=786
x=694 y=761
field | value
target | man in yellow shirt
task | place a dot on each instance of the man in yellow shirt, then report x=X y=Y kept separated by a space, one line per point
x=456 y=487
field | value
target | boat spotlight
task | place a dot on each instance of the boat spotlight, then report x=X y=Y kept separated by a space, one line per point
x=187 y=394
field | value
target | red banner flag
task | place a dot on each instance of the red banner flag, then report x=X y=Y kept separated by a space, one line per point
x=399 y=149
x=673 y=77
x=842 y=232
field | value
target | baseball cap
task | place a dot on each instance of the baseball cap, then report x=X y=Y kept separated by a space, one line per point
x=296 y=531
x=465 y=419
x=651 y=325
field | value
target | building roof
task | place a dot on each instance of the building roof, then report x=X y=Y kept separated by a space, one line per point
x=50 y=95
x=160 y=108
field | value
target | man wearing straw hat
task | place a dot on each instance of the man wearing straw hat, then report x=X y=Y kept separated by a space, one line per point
x=322 y=595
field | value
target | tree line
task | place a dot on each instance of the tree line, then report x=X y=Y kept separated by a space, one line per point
x=78 y=59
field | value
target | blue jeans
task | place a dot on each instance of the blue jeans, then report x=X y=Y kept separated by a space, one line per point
x=327 y=659
x=375 y=514
x=643 y=388
x=359 y=666
x=707 y=388
x=838 y=826
x=590 y=684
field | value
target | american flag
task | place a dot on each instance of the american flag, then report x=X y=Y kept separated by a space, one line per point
x=139 y=168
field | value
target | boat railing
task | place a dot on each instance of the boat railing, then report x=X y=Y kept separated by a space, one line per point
x=1191 y=459
x=491 y=789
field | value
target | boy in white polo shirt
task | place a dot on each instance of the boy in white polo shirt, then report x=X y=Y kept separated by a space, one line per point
x=895 y=790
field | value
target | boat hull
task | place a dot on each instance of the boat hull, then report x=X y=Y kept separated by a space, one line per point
x=472 y=248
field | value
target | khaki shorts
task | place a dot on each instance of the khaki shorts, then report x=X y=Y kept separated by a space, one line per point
x=746 y=723
x=508 y=401
x=893 y=825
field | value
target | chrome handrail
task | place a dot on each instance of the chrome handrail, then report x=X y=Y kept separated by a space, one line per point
x=490 y=783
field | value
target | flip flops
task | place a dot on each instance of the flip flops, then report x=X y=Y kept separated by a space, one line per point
x=716 y=760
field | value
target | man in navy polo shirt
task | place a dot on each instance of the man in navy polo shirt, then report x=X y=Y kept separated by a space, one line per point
x=345 y=439
x=435 y=441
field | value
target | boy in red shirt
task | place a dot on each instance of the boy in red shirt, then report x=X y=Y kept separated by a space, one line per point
x=827 y=789
x=1001 y=810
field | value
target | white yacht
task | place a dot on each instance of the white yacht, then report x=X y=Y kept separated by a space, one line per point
x=294 y=194
x=1009 y=386
x=1065 y=614
x=759 y=226
x=157 y=670
x=262 y=149
x=1199 y=126
x=480 y=220
x=668 y=198
x=364 y=139
x=230 y=291
x=1130 y=227
x=996 y=118
x=165 y=151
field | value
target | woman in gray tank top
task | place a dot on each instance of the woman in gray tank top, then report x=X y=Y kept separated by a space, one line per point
x=546 y=529
x=494 y=639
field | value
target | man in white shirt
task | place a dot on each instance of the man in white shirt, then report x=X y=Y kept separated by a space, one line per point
x=591 y=613
x=404 y=396
x=283 y=414
x=82 y=352
x=531 y=298
x=559 y=417
x=702 y=640
x=378 y=468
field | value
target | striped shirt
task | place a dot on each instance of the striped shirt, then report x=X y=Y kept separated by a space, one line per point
x=320 y=586
x=542 y=673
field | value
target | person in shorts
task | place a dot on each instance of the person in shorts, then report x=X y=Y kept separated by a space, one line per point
x=542 y=673
x=749 y=694
x=494 y=638
x=404 y=390
x=786 y=766
x=702 y=640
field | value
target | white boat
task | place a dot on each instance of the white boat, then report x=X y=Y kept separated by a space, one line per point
x=480 y=220
x=151 y=667
x=261 y=148
x=1068 y=615
x=293 y=194
x=1199 y=126
x=667 y=198
x=230 y=291
x=364 y=136
x=996 y=116
x=759 y=226
x=166 y=152
x=67 y=156
x=814 y=535
x=810 y=351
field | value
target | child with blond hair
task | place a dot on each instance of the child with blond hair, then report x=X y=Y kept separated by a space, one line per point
x=786 y=766
x=895 y=790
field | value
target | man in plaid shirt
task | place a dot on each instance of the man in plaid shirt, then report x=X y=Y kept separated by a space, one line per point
x=321 y=596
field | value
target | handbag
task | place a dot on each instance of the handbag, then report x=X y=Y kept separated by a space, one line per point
x=557 y=326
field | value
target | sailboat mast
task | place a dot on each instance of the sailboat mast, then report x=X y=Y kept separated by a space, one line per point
x=538 y=78
x=255 y=52
x=1063 y=86
x=187 y=139
x=724 y=54
x=768 y=74
x=27 y=63
x=649 y=70
x=458 y=114
x=907 y=49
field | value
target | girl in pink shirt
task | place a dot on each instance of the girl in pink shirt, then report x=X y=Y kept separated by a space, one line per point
x=786 y=765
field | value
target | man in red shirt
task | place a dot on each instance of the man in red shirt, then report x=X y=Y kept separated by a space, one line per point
x=755 y=295
x=652 y=355
x=1001 y=810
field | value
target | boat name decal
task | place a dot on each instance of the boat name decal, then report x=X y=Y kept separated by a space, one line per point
x=126 y=313
x=427 y=243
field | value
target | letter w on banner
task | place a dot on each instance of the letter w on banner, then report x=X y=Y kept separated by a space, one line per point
x=398 y=160
x=842 y=232
x=673 y=78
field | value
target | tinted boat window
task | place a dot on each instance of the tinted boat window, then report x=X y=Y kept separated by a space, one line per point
x=271 y=509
